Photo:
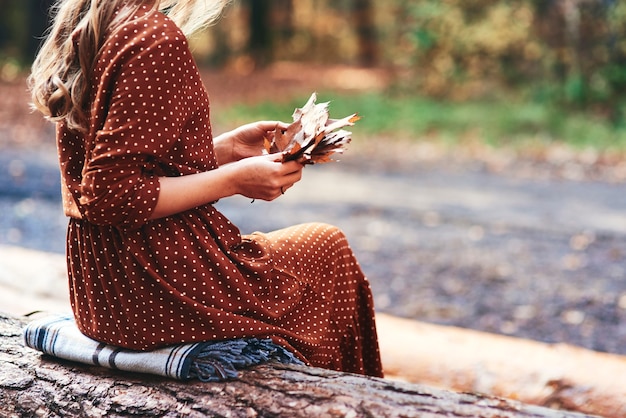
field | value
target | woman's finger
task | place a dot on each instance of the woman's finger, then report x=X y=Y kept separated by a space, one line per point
x=271 y=125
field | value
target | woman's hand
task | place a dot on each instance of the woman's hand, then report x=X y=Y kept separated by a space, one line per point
x=265 y=177
x=245 y=141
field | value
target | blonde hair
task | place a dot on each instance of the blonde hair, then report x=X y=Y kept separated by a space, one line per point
x=192 y=15
x=59 y=79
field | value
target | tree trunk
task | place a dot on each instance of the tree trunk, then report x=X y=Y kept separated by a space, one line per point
x=36 y=385
x=260 y=41
x=365 y=27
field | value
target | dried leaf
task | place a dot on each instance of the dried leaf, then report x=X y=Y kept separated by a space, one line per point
x=312 y=137
x=267 y=144
x=341 y=123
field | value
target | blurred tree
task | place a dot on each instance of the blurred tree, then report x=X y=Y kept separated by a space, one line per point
x=365 y=28
x=584 y=52
x=260 y=36
x=12 y=33
x=22 y=26
x=570 y=52
x=270 y=27
x=38 y=22
x=283 y=24
x=466 y=48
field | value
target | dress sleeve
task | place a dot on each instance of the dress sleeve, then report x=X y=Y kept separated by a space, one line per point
x=141 y=100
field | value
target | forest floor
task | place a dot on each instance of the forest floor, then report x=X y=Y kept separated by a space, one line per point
x=473 y=237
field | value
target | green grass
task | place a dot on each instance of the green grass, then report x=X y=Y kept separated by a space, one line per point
x=514 y=124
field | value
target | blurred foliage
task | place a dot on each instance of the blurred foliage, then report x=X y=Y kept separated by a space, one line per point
x=569 y=53
x=515 y=124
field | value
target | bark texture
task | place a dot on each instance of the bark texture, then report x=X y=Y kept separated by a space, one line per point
x=36 y=385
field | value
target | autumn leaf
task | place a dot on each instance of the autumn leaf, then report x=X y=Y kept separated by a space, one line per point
x=312 y=137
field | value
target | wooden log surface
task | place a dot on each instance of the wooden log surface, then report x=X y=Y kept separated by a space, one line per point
x=35 y=385
x=555 y=375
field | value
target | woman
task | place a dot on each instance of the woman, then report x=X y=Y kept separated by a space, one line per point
x=151 y=262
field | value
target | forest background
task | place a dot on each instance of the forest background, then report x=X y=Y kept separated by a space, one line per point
x=517 y=73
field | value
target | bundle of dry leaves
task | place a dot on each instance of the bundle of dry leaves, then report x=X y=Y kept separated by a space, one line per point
x=312 y=137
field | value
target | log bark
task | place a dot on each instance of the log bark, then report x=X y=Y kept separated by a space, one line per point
x=36 y=385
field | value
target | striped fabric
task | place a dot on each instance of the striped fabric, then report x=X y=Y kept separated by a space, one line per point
x=59 y=336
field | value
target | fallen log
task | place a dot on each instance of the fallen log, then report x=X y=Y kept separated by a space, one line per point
x=554 y=375
x=35 y=385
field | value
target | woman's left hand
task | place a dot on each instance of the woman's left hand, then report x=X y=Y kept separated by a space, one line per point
x=247 y=140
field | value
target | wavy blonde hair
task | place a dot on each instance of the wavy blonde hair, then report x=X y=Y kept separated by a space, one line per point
x=59 y=79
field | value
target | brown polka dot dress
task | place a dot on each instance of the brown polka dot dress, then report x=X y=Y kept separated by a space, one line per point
x=141 y=283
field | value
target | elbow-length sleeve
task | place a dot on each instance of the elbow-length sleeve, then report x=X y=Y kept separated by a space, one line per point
x=139 y=110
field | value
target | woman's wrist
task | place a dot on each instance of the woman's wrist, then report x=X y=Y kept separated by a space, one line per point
x=224 y=148
x=178 y=194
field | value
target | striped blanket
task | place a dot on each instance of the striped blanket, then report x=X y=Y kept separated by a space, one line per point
x=58 y=336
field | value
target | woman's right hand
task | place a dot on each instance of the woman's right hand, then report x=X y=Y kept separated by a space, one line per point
x=265 y=177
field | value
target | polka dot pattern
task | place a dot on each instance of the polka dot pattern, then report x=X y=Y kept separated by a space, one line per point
x=141 y=283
